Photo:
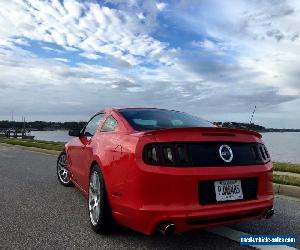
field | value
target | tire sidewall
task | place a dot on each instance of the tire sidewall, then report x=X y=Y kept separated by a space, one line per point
x=103 y=224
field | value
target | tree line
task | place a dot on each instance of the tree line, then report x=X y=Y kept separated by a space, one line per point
x=252 y=126
x=42 y=125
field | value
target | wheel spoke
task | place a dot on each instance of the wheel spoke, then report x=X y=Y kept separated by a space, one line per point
x=94 y=205
x=61 y=165
x=93 y=190
x=65 y=174
x=97 y=212
x=94 y=181
x=61 y=161
x=94 y=198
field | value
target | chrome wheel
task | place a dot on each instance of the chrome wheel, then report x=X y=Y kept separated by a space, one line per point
x=99 y=209
x=62 y=169
x=94 y=198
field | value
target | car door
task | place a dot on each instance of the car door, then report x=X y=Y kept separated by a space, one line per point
x=81 y=150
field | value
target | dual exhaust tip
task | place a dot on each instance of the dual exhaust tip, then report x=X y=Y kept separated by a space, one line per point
x=167 y=228
x=269 y=214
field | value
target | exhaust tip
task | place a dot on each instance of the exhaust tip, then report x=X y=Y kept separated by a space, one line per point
x=167 y=229
x=269 y=214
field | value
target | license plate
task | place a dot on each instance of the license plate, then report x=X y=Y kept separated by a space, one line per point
x=228 y=190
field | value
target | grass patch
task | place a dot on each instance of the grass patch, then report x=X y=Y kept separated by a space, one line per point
x=58 y=146
x=286 y=167
x=286 y=180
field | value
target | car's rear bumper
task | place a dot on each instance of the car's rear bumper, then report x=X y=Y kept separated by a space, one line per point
x=147 y=220
x=158 y=195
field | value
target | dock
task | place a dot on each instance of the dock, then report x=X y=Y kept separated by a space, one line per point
x=16 y=133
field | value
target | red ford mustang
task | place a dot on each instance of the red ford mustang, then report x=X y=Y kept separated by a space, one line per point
x=156 y=169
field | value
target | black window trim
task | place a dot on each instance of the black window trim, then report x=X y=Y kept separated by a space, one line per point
x=83 y=129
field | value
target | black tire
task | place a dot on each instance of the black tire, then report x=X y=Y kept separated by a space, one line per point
x=103 y=224
x=62 y=170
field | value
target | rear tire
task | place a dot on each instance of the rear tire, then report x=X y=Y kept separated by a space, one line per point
x=99 y=209
x=62 y=171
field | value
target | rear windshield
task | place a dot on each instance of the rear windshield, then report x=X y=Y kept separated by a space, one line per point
x=149 y=119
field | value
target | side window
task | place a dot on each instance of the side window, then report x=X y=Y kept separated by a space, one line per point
x=109 y=125
x=91 y=127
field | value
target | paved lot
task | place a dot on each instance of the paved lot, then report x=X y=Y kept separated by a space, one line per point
x=37 y=212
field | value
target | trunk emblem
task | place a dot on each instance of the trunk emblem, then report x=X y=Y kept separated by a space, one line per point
x=225 y=153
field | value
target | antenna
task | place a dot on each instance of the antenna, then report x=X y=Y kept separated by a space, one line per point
x=252 y=114
x=23 y=119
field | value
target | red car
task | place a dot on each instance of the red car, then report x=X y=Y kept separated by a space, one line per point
x=157 y=169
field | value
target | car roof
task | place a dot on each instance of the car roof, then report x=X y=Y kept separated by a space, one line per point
x=142 y=108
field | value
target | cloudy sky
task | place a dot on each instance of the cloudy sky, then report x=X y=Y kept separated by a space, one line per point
x=64 y=60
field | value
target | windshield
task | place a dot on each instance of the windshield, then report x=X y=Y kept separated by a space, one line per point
x=149 y=119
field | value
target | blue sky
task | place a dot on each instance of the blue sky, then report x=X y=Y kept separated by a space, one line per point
x=64 y=60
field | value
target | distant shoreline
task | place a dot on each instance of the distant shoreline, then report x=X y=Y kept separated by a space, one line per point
x=255 y=127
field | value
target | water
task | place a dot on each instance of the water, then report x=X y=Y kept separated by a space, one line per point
x=57 y=135
x=284 y=147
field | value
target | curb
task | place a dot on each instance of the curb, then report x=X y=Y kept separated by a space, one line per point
x=286 y=190
x=286 y=173
x=33 y=149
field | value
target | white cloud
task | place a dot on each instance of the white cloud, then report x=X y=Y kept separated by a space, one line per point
x=62 y=59
x=56 y=88
x=206 y=44
x=243 y=53
x=161 y=6
x=263 y=37
x=46 y=48
x=89 y=55
x=74 y=8
x=214 y=47
x=83 y=25
x=141 y=16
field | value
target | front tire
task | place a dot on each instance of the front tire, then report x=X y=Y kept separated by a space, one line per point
x=62 y=170
x=99 y=210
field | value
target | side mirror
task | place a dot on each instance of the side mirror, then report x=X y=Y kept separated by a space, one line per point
x=75 y=132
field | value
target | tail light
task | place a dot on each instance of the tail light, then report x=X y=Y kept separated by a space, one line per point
x=203 y=154
x=182 y=154
x=151 y=154
x=266 y=152
x=166 y=154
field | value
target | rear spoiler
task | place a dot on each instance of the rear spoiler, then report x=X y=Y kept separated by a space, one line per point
x=209 y=131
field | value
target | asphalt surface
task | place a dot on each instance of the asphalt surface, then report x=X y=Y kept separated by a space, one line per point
x=37 y=212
